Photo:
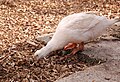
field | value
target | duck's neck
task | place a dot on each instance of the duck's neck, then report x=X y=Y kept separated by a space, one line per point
x=53 y=45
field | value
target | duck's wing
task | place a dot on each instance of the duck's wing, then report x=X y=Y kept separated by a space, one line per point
x=92 y=24
x=80 y=21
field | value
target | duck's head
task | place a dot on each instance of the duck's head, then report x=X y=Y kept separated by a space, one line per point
x=43 y=52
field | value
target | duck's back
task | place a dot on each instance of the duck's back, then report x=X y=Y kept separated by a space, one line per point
x=83 y=26
x=81 y=21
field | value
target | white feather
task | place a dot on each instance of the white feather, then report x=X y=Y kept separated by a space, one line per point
x=76 y=28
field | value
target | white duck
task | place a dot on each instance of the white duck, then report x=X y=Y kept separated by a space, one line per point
x=76 y=29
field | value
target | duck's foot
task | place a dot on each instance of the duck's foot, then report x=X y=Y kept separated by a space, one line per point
x=75 y=47
x=70 y=46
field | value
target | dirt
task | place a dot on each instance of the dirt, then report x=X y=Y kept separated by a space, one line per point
x=108 y=71
x=21 y=21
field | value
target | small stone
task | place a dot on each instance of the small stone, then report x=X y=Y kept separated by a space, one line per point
x=25 y=80
x=107 y=78
x=32 y=43
x=107 y=38
x=45 y=38
x=117 y=24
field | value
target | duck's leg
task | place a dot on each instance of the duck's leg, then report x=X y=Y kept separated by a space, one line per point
x=70 y=46
x=80 y=47
x=75 y=47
